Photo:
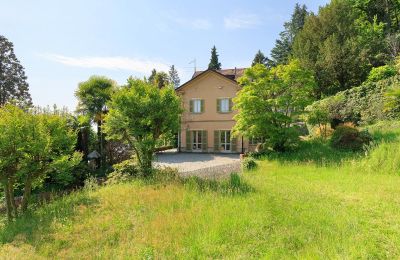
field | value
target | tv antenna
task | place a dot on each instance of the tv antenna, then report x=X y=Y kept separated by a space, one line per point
x=194 y=64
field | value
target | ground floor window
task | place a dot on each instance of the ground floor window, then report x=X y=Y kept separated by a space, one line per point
x=197 y=140
x=225 y=140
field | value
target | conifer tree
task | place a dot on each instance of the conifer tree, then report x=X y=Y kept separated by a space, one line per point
x=13 y=85
x=214 y=63
x=174 y=77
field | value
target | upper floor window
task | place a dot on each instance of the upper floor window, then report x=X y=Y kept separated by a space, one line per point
x=224 y=105
x=197 y=106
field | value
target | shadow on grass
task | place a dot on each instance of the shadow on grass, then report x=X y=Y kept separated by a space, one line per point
x=315 y=151
x=35 y=225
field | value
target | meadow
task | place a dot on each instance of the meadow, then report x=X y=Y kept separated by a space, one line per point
x=313 y=203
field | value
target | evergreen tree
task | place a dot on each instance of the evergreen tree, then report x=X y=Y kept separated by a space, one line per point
x=174 y=77
x=152 y=76
x=214 y=63
x=283 y=46
x=161 y=80
x=259 y=58
x=13 y=85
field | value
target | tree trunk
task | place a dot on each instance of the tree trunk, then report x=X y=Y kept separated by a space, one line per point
x=8 y=199
x=27 y=194
x=11 y=193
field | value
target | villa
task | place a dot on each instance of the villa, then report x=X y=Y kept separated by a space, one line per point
x=207 y=120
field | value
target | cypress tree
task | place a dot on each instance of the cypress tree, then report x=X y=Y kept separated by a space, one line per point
x=214 y=63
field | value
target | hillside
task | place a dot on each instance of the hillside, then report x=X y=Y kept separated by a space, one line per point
x=296 y=207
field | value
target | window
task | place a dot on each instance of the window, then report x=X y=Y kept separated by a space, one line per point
x=224 y=105
x=197 y=106
x=225 y=140
x=255 y=140
x=197 y=140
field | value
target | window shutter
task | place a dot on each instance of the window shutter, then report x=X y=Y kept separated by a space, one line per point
x=218 y=105
x=216 y=140
x=233 y=144
x=202 y=105
x=204 y=145
x=188 y=141
x=230 y=105
x=191 y=103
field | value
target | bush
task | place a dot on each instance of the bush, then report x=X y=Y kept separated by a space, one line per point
x=127 y=167
x=249 y=163
x=349 y=138
x=380 y=73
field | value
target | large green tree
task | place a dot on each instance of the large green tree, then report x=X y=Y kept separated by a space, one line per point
x=214 y=62
x=270 y=100
x=93 y=96
x=283 y=46
x=140 y=113
x=13 y=84
x=334 y=44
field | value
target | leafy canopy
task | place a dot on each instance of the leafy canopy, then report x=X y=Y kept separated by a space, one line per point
x=140 y=113
x=269 y=101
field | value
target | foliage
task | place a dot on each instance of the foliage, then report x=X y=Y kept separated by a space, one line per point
x=361 y=105
x=13 y=84
x=283 y=46
x=336 y=46
x=269 y=102
x=173 y=76
x=34 y=144
x=249 y=163
x=127 y=167
x=318 y=116
x=92 y=96
x=380 y=73
x=349 y=138
x=139 y=115
x=214 y=63
x=260 y=58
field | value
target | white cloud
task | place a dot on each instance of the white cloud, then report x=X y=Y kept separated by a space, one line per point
x=241 y=21
x=111 y=63
x=187 y=22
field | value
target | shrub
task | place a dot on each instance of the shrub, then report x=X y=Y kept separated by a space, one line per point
x=382 y=72
x=349 y=138
x=117 y=177
x=249 y=163
x=127 y=167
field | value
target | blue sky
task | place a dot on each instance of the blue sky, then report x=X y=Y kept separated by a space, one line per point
x=61 y=43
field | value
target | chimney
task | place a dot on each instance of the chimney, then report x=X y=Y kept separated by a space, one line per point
x=235 y=72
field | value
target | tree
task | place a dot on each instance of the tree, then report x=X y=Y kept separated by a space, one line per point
x=174 y=77
x=139 y=115
x=329 y=44
x=259 y=58
x=214 y=63
x=93 y=95
x=152 y=76
x=162 y=80
x=13 y=85
x=283 y=46
x=269 y=101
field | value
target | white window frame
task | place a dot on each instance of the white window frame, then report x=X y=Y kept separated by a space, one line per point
x=226 y=142
x=224 y=109
x=197 y=140
x=196 y=105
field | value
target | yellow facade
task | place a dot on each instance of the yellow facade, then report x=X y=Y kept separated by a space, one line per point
x=206 y=131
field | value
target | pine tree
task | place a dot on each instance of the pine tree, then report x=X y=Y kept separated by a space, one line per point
x=283 y=46
x=259 y=58
x=13 y=85
x=174 y=77
x=214 y=63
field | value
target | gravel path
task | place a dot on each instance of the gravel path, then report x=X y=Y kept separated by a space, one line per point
x=200 y=164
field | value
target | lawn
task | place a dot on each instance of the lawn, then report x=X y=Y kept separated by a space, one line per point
x=296 y=207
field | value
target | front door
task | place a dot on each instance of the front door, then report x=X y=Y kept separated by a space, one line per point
x=225 y=141
x=197 y=142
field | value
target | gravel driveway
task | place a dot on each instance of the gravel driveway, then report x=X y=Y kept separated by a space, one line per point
x=200 y=164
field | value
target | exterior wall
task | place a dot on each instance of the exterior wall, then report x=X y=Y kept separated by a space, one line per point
x=208 y=86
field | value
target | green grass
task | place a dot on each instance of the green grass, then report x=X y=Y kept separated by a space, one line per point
x=293 y=206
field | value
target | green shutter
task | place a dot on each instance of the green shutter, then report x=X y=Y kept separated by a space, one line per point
x=202 y=105
x=233 y=144
x=204 y=139
x=191 y=106
x=218 y=105
x=188 y=141
x=230 y=105
x=216 y=140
